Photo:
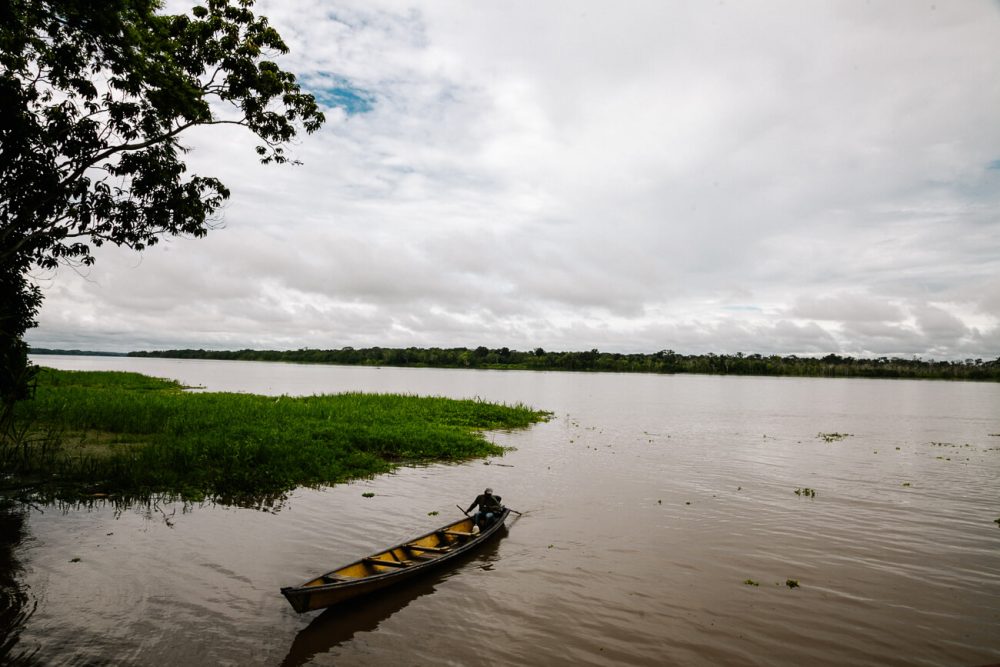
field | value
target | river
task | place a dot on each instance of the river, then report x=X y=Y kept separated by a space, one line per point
x=649 y=502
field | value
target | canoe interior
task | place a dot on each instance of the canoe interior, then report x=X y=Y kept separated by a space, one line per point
x=385 y=567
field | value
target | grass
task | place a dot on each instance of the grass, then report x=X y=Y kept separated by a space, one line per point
x=125 y=433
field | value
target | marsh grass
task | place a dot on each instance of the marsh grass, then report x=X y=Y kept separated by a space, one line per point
x=126 y=433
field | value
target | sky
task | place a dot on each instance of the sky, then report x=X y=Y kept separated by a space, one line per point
x=775 y=177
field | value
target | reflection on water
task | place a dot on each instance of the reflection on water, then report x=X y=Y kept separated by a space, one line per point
x=16 y=605
x=341 y=623
x=649 y=501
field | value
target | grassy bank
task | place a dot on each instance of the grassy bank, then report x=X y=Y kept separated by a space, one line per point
x=125 y=433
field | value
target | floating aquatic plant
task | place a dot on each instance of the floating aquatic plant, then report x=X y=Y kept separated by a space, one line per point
x=807 y=492
x=367 y=494
x=833 y=437
x=792 y=583
x=751 y=582
x=124 y=433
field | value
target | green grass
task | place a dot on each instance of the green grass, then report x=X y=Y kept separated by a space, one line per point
x=125 y=433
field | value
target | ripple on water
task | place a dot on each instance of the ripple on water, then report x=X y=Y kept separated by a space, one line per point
x=648 y=502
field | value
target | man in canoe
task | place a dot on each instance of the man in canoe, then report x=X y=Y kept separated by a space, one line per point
x=489 y=508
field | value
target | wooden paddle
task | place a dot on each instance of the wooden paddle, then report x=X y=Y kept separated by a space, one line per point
x=467 y=514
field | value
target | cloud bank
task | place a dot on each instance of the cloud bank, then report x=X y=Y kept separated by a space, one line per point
x=792 y=178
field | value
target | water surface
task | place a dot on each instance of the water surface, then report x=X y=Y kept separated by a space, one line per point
x=648 y=502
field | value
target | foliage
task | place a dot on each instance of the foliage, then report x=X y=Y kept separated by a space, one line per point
x=95 y=98
x=16 y=316
x=665 y=361
x=128 y=433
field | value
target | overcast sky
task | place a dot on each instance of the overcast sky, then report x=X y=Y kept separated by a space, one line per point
x=776 y=177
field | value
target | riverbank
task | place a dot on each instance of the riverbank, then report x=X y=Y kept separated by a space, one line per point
x=93 y=433
x=662 y=362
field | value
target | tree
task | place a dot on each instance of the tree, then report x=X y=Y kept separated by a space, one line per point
x=95 y=98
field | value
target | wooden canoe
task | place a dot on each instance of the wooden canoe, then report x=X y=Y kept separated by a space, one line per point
x=390 y=566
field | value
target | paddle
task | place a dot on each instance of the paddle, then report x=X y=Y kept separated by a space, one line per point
x=467 y=514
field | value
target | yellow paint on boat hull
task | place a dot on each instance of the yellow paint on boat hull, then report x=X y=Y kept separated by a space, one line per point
x=391 y=566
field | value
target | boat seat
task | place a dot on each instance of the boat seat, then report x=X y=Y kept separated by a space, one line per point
x=458 y=533
x=390 y=563
x=437 y=550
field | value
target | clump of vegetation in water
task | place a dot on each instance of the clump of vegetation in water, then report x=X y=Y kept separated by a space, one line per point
x=132 y=435
x=807 y=492
x=996 y=521
x=367 y=494
x=792 y=583
x=751 y=582
x=832 y=437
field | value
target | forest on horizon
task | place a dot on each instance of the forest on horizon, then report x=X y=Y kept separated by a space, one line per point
x=664 y=361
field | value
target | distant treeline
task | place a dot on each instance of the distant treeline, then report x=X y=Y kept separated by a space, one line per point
x=665 y=361
x=79 y=353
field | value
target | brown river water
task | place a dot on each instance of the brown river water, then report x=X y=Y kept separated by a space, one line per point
x=648 y=502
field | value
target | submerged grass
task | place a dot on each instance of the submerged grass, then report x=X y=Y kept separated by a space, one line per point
x=132 y=434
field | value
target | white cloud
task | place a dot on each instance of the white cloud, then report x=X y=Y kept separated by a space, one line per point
x=790 y=178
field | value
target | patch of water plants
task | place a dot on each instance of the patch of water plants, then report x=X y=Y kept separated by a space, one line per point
x=807 y=492
x=110 y=433
x=832 y=437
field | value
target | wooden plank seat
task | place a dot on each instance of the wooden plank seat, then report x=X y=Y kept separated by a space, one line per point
x=390 y=563
x=458 y=533
x=436 y=550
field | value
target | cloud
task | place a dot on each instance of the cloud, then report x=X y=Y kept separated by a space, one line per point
x=847 y=308
x=781 y=178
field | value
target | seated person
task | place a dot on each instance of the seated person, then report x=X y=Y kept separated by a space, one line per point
x=489 y=508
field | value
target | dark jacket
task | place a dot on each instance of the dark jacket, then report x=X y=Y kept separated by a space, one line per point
x=487 y=503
